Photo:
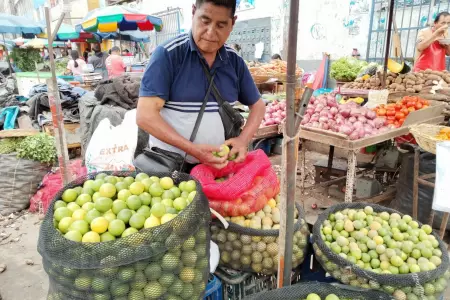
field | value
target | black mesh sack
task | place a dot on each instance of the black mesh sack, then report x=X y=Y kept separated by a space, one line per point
x=301 y=291
x=256 y=250
x=421 y=285
x=169 y=261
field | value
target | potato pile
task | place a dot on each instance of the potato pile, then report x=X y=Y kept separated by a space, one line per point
x=417 y=82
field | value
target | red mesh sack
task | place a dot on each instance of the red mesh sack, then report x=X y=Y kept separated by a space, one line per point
x=247 y=188
x=51 y=184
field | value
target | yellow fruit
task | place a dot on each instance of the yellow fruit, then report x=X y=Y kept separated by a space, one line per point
x=272 y=203
x=167 y=217
x=79 y=214
x=91 y=237
x=247 y=223
x=99 y=225
x=152 y=221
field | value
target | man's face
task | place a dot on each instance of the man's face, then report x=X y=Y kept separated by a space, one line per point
x=443 y=20
x=211 y=26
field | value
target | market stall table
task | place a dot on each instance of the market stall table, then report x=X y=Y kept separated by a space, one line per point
x=353 y=147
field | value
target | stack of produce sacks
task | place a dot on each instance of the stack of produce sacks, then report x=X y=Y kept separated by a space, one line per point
x=320 y=291
x=250 y=243
x=375 y=247
x=89 y=253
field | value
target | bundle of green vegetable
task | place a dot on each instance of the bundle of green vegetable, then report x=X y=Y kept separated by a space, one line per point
x=40 y=147
x=347 y=68
x=9 y=145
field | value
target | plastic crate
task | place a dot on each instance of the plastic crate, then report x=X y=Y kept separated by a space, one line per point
x=238 y=285
x=213 y=289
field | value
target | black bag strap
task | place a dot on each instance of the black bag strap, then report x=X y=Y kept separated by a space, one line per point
x=210 y=78
x=202 y=109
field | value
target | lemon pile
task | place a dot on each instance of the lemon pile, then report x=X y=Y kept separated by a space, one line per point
x=111 y=207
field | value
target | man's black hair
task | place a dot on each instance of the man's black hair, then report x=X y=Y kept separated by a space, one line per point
x=439 y=15
x=276 y=56
x=231 y=4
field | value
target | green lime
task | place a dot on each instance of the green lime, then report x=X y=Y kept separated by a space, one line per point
x=154 y=290
x=59 y=204
x=129 y=231
x=91 y=215
x=61 y=213
x=125 y=215
x=146 y=198
x=106 y=237
x=116 y=227
x=153 y=271
x=103 y=204
x=137 y=221
x=69 y=195
x=134 y=202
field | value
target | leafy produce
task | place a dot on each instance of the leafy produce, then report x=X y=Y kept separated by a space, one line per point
x=25 y=58
x=275 y=113
x=383 y=243
x=347 y=68
x=111 y=207
x=9 y=145
x=247 y=244
x=40 y=147
x=396 y=113
x=349 y=119
x=414 y=82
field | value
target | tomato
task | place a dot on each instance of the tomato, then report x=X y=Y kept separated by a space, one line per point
x=399 y=115
x=381 y=112
x=419 y=105
x=405 y=111
x=391 y=118
x=426 y=102
x=396 y=124
x=398 y=106
x=410 y=104
x=390 y=122
x=411 y=109
x=425 y=106
x=390 y=112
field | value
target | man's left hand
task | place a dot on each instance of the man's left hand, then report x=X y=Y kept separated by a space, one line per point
x=239 y=148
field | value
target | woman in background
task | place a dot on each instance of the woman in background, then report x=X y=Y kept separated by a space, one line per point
x=75 y=65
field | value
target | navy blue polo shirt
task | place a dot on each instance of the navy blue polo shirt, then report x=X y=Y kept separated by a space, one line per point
x=176 y=75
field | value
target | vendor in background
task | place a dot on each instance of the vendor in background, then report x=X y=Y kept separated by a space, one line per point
x=115 y=64
x=174 y=86
x=98 y=61
x=75 y=65
x=126 y=52
x=86 y=54
x=430 y=54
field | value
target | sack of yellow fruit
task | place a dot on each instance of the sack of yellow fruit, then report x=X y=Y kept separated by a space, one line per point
x=444 y=134
x=122 y=235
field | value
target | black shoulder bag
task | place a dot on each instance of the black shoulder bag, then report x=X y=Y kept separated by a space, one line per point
x=232 y=120
x=157 y=160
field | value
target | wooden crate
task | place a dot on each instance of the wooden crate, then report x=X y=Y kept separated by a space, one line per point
x=73 y=135
x=18 y=133
x=267 y=131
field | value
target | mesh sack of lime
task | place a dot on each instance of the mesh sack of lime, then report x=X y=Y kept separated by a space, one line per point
x=250 y=243
x=321 y=291
x=375 y=247
x=240 y=188
x=121 y=235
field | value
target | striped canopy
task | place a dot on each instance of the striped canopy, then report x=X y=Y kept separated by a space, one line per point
x=67 y=32
x=118 y=18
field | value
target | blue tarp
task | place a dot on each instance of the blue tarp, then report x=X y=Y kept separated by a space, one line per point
x=19 y=25
x=130 y=35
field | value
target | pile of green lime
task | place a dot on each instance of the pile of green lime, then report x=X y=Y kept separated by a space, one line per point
x=382 y=243
x=258 y=252
x=110 y=207
x=313 y=296
x=177 y=274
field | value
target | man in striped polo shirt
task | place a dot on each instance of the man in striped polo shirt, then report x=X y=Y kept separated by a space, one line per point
x=174 y=86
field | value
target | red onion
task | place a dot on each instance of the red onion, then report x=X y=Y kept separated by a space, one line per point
x=358 y=124
x=378 y=122
x=315 y=124
x=325 y=126
x=323 y=119
x=345 y=112
x=334 y=110
x=345 y=129
x=370 y=114
x=362 y=119
x=354 y=135
x=352 y=119
x=361 y=133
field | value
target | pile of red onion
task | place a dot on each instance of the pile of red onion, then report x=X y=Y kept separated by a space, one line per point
x=350 y=119
x=275 y=113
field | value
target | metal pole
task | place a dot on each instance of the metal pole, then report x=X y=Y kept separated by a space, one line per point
x=291 y=151
x=7 y=56
x=55 y=106
x=388 y=39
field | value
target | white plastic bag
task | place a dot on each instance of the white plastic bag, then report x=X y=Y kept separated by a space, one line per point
x=112 y=148
x=442 y=186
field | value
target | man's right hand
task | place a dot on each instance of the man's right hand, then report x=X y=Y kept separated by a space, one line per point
x=204 y=153
x=439 y=32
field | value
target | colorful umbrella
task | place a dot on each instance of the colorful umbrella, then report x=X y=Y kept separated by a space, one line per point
x=67 y=32
x=118 y=18
x=132 y=35
x=19 y=25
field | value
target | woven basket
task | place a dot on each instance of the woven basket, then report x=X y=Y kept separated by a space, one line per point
x=425 y=135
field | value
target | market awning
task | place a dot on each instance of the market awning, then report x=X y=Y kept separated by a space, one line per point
x=19 y=25
x=67 y=32
x=38 y=43
x=132 y=35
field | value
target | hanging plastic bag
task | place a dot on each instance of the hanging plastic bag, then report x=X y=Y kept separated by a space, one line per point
x=442 y=188
x=240 y=188
x=9 y=115
x=112 y=148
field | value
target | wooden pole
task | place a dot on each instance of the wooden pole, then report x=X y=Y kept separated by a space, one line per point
x=388 y=39
x=290 y=153
x=55 y=105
